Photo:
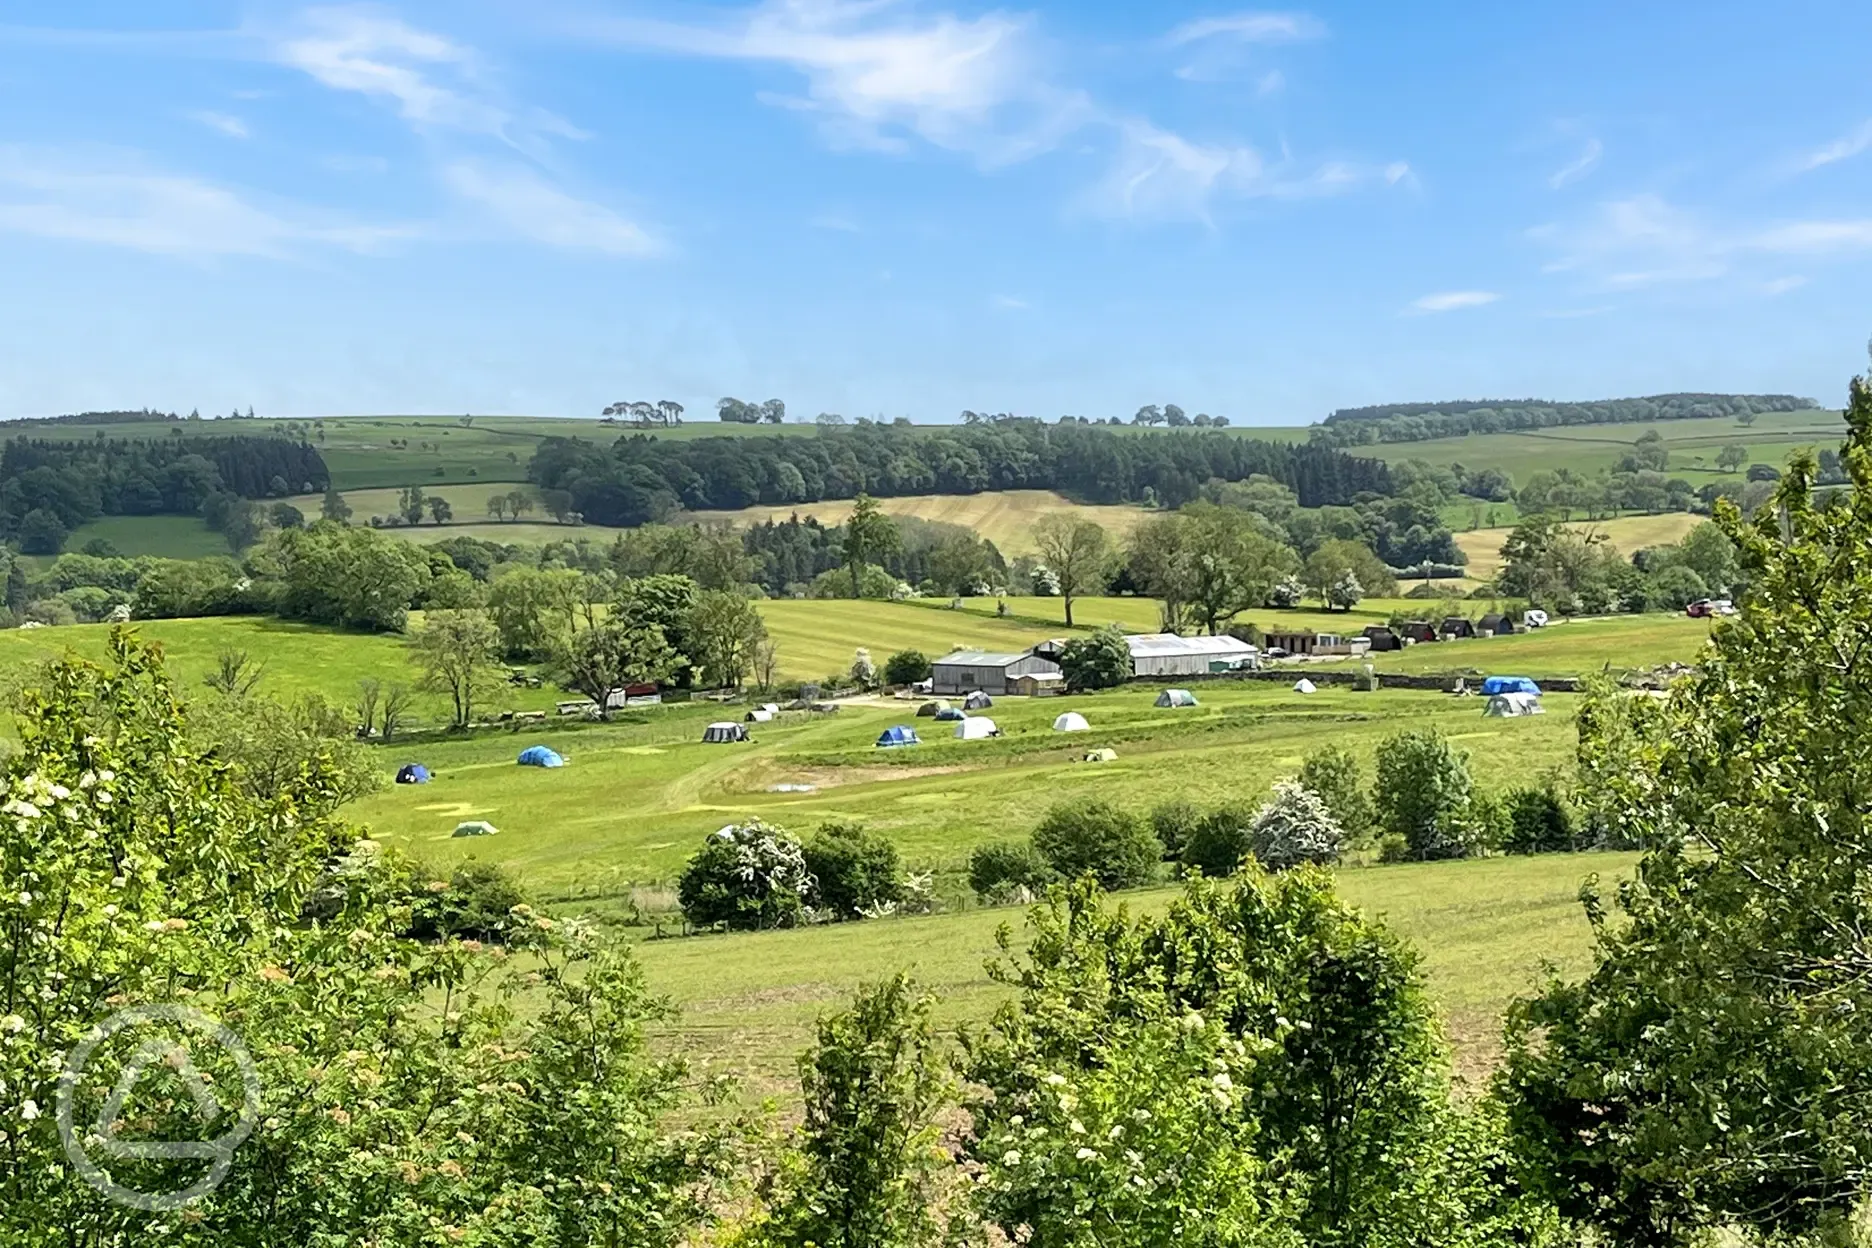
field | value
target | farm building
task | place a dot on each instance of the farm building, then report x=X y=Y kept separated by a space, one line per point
x=1495 y=624
x=1456 y=626
x=1166 y=654
x=1418 y=631
x=1318 y=643
x=966 y=671
x=1382 y=638
x=1039 y=684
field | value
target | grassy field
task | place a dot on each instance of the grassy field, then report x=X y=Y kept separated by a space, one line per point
x=1484 y=928
x=1005 y=518
x=1625 y=534
x=1587 y=449
x=167 y=537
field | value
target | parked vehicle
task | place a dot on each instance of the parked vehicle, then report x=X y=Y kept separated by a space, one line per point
x=1701 y=609
x=1534 y=618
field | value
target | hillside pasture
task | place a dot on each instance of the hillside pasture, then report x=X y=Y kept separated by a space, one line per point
x=1625 y=534
x=1587 y=449
x=164 y=537
x=1485 y=929
x=1004 y=517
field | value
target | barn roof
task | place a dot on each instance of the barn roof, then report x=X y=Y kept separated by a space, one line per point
x=980 y=658
x=1160 y=645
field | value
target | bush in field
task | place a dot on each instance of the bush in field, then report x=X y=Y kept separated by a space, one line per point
x=1101 y=661
x=1008 y=871
x=1295 y=827
x=750 y=875
x=1219 y=841
x=476 y=900
x=1540 y=821
x=1101 y=840
x=857 y=872
x=906 y=667
x=1340 y=782
x=1422 y=797
x=1174 y=823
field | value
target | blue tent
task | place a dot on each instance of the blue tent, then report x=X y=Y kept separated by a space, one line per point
x=897 y=735
x=412 y=773
x=949 y=714
x=1496 y=685
x=540 y=756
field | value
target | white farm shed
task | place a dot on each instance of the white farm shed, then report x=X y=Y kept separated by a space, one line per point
x=966 y=671
x=1166 y=654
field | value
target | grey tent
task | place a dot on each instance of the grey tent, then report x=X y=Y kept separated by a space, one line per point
x=977 y=701
x=723 y=732
x=1176 y=697
x=931 y=708
x=1100 y=756
x=474 y=827
x=1513 y=704
x=760 y=715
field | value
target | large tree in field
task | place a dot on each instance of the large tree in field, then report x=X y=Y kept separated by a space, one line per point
x=870 y=536
x=1327 y=567
x=1713 y=1069
x=456 y=651
x=1077 y=552
x=1208 y=561
x=724 y=633
x=618 y=653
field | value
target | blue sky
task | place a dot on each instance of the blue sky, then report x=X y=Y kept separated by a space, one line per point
x=884 y=207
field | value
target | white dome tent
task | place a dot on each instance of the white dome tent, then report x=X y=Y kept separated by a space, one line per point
x=1303 y=685
x=1071 y=721
x=976 y=728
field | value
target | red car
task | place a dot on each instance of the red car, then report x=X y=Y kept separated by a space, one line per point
x=1701 y=609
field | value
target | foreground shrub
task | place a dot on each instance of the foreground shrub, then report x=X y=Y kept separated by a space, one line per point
x=1540 y=821
x=1295 y=828
x=1258 y=1066
x=1174 y=823
x=1008 y=871
x=857 y=872
x=1101 y=840
x=1422 y=796
x=475 y=900
x=1219 y=841
x=750 y=875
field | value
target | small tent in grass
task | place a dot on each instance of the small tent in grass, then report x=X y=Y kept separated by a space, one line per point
x=897 y=735
x=950 y=715
x=1176 y=697
x=1509 y=684
x=976 y=728
x=1100 y=756
x=760 y=715
x=540 y=756
x=931 y=708
x=1510 y=705
x=1071 y=721
x=474 y=827
x=977 y=701
x=722 y=732
x=1303 y=685
x=412 y=773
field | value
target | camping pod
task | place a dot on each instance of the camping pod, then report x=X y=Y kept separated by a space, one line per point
x=412 y=773
x=1071 y=721
x=1176 y=697
x=977 y=728
x=723 y=733
x=539 y=756
x=977 y=701
x=897 y=735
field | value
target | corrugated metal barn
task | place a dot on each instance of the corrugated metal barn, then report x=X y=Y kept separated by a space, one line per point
x=1166 y=654
x=968 y=670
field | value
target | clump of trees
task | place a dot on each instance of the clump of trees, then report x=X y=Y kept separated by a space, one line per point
x=1414 y=422
x=756 y=875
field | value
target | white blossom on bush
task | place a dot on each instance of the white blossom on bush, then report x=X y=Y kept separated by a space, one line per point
x=1295 y=827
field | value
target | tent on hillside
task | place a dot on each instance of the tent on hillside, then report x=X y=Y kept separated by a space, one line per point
x=722 y=732
x=760 y=715
x=977 y=701
x=1303 y=685
x=1176 y=697
x=931 y=708
x=1071 y=721
x=412 y=773
x=978 y=728
x=540 y=756
x=1100 y=756
x=1508 y=705
x=474 y=827
x=897 y=735
x=1509 y=684
x=950 y=715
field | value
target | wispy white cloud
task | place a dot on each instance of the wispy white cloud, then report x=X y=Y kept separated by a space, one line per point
x=835 y=222
x=533 y=208
x=433 y=82
x=233 y=127
x=1643 y=240
x=1781 y=285
x=1009 y=302
x=876 y=73
x=1271 y=83
x=1251 y=27
x=1452 y=301
x=1845 y=147
x=1579 y=166
x=115 y=201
